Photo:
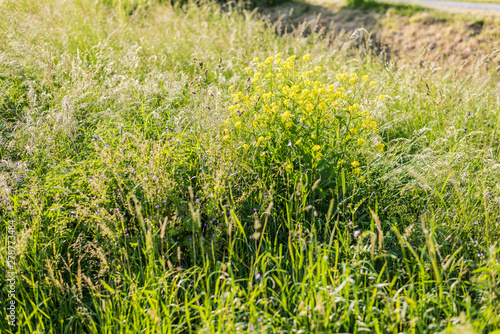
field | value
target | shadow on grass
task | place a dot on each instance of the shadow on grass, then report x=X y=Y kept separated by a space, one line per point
x=384 y=7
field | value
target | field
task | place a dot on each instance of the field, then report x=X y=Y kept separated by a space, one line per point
x=220 y=168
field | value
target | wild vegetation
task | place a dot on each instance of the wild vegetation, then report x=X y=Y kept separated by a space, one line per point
x=187 y=168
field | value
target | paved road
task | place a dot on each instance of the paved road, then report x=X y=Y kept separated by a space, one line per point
x=491 y=7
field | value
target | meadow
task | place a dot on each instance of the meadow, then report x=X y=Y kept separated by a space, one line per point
x=202 y=167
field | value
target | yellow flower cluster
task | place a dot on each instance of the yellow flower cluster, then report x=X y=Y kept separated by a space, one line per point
x=286 y=114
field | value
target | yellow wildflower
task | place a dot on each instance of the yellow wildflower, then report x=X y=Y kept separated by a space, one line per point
x=341 y=76
x=354 y=164
x=286 y=116
x=354 y=107
x=316 y=148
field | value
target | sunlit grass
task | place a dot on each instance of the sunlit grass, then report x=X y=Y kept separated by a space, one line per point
x=155 y=187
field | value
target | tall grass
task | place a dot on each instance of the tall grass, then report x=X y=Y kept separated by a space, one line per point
x=133 y=214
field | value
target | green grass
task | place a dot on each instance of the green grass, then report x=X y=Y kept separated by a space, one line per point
x=399 y=9
x=132 y=213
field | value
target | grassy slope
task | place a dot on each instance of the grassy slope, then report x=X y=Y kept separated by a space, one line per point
x=98 y=105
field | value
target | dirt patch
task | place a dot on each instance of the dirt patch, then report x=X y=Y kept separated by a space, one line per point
x=291 y=16
x=423 y=36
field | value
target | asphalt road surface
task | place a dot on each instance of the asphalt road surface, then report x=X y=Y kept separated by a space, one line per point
x=467 y=6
